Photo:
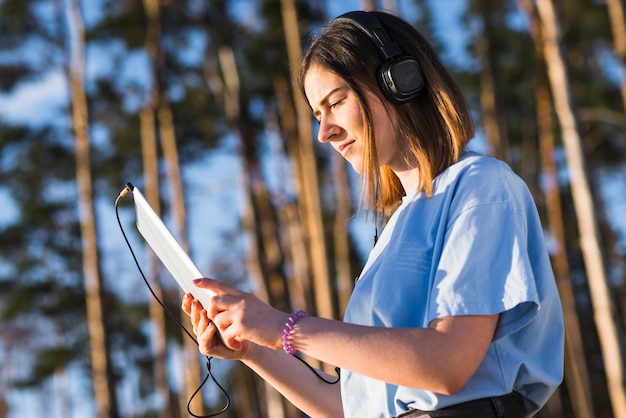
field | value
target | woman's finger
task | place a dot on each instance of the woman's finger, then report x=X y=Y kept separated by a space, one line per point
x=208 y=339
x=203 y=322
x=223 y=303
x=228 y=332
x=194 y=315
x=217 y=286
x=186 y=304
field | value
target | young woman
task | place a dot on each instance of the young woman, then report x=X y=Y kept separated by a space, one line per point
x=456 y=311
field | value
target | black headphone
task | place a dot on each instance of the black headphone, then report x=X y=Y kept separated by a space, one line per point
x=399 y=77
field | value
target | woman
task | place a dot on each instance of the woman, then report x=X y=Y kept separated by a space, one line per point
x=456 y=310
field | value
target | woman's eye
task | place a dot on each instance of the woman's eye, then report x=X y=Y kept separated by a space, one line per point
x=335 y=104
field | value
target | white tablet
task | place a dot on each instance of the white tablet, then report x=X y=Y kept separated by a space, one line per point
x=165 y=246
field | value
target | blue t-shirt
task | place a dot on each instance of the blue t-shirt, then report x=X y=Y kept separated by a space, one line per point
x=476 y=247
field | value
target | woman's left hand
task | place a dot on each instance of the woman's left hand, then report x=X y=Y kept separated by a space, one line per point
x=241 y=316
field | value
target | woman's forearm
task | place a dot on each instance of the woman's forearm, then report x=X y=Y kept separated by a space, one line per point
x=441 y=358
x=296 y=382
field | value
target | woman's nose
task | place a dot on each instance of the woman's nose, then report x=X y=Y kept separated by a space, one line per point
x=327 y=130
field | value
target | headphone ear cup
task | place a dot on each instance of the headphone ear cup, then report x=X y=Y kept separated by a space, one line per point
x=400 y=80
x=385 y=85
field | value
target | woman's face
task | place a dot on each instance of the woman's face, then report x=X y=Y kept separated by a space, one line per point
x=336 y=107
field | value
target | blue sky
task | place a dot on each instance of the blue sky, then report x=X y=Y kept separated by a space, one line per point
x=39 y=101
x=42 y=101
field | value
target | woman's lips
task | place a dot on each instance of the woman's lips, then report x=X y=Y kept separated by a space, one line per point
x=344 y=148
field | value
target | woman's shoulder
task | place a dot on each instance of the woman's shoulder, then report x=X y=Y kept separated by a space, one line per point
x=481 y=179
x=475 y=167
x=472 y=161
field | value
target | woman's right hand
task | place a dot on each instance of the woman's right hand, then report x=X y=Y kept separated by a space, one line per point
x=209 y=340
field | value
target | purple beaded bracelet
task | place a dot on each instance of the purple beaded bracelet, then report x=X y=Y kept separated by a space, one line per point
x=287 y=331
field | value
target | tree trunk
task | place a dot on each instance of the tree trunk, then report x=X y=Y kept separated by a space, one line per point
x=368 y=5
x=264 y=257
x=618 y=25
x=343 y=211
x=492 y=121
x=165 y=122
x=604 y=310
x=103 y=382
x=254 y=269
x=576 y=371
x=177 y=202
x=390 y=6
x=158 y=333
x=291 y=233
x=308 y=192
x=292 y=213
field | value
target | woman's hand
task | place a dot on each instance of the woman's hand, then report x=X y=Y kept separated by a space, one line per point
x=238 y=318
x=209 y=340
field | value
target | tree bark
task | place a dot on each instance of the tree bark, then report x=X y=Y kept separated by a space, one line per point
x=604 y=310
x=103 y=382
x=343 y=211
x=576 y=371
x=618 y=26
x=390 y=6
x=292 y=213
x=368 y=5
x=158 y=333
x=264 y=255
x=308 y=192
x=492 y=121
x=177 y=203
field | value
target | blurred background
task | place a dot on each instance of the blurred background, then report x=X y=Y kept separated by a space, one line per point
x=191 y=101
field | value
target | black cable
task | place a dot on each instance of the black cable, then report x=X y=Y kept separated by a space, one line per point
x=319 y=376
x=180 y=324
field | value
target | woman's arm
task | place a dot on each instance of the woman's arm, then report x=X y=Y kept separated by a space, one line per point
x=297 y=383
x=440 y=358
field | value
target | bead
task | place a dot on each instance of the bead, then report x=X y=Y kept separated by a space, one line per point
x=288 y=330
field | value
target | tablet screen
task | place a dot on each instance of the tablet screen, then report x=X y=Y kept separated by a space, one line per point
x=165 y=246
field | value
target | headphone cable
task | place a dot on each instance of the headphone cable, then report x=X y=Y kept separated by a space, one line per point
x=172 y=316
x=123 y=193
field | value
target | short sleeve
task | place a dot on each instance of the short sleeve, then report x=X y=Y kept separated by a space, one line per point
x=484 y=267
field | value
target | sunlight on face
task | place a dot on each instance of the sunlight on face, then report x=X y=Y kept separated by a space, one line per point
x=336 y=107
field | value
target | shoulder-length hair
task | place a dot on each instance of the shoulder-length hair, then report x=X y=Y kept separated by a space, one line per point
x=433 y=129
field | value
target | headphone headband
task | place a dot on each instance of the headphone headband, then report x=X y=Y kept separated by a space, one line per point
x=399 y=77
x=372 y=28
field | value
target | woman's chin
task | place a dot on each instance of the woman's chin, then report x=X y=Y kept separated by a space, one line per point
x=356 y=165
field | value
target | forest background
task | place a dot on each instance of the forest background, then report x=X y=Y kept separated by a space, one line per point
x=191 y=100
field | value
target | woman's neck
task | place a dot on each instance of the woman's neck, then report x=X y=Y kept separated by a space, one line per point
x=409 y=179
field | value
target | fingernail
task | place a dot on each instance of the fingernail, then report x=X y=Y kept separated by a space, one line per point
x=197 y=280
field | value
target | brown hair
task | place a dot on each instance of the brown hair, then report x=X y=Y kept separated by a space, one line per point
x=434 y=128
